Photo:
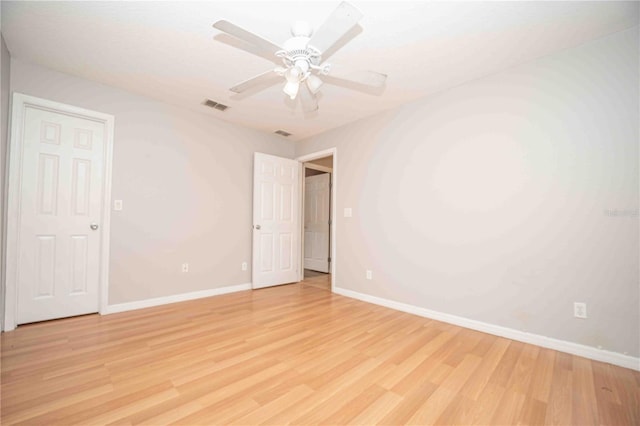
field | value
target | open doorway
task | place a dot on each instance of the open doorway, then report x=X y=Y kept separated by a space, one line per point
x=317 y=221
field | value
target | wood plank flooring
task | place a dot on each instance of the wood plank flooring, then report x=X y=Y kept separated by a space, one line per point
x=317 y=279
x=296 y=354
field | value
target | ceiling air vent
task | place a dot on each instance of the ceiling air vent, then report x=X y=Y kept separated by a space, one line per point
x=282 y=133
x=216 y=105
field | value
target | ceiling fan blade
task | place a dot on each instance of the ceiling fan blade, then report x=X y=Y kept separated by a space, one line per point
x=308 y=100
x=269 y=77
x=343 y=18
x=365 y=78
x=247 y=36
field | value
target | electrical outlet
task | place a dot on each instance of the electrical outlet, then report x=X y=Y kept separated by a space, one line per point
x=244 y=266
x=369 y=274
x=579 y=310
x=185 y=267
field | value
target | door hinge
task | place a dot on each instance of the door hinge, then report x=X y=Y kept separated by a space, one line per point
x=329 y=260
x=329 y=222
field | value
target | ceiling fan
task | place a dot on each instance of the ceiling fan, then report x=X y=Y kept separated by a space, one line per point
x=302 y=57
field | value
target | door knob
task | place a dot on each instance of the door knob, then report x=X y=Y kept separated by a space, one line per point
x=258 y=227
x=94 y=226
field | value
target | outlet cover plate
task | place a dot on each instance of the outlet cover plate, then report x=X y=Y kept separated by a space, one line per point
x=580 y=310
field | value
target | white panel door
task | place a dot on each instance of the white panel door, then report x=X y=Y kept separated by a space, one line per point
x=316 y=222
x=60 y=201
x=275 y=220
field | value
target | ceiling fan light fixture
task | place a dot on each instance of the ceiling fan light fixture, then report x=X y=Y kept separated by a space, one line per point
x=302 y=65
x=292 y=75
x=313 y=83
x=291 y=88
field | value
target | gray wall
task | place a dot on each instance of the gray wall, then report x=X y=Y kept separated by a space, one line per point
x=504 y=200
x=5 y=68
x=186 y=184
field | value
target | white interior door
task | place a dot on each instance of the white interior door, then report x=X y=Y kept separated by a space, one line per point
x=276 y=245
x=61 y=174
x=316 y=222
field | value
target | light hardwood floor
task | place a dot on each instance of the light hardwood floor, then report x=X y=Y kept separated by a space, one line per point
x=317 y=279
x=296 y=354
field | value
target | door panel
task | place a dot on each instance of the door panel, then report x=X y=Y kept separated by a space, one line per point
x=62 y=181
x=316 y=222
x=81 y=185
x=79 y=264
x=275 y=220
x=45 y=267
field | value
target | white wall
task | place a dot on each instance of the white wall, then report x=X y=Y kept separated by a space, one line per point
x=504 y=200
x=186 y=183
x=5 y=68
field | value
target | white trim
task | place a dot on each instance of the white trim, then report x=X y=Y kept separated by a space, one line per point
x=157 y=301
x=301 y=200
x=19 y=103
x=105 y=247
x=4 y=204
x=334 y=202
x=510 y=333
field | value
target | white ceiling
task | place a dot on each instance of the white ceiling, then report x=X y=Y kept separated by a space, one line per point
x=169 y=50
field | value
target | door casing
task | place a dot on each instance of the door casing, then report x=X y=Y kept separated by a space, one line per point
x=20 y=102
x=334 y=217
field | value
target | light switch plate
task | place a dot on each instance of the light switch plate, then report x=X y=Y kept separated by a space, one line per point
x=348 y=212
x=117 y=205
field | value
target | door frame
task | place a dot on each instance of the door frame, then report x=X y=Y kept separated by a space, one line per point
x=325 y=170
x=19 y=104
x=332 y=214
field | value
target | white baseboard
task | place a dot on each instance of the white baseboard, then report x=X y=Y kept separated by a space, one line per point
x=510 y=333
x=147 y=303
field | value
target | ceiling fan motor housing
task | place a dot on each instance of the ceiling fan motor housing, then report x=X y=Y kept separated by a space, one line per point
x=297 y=53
